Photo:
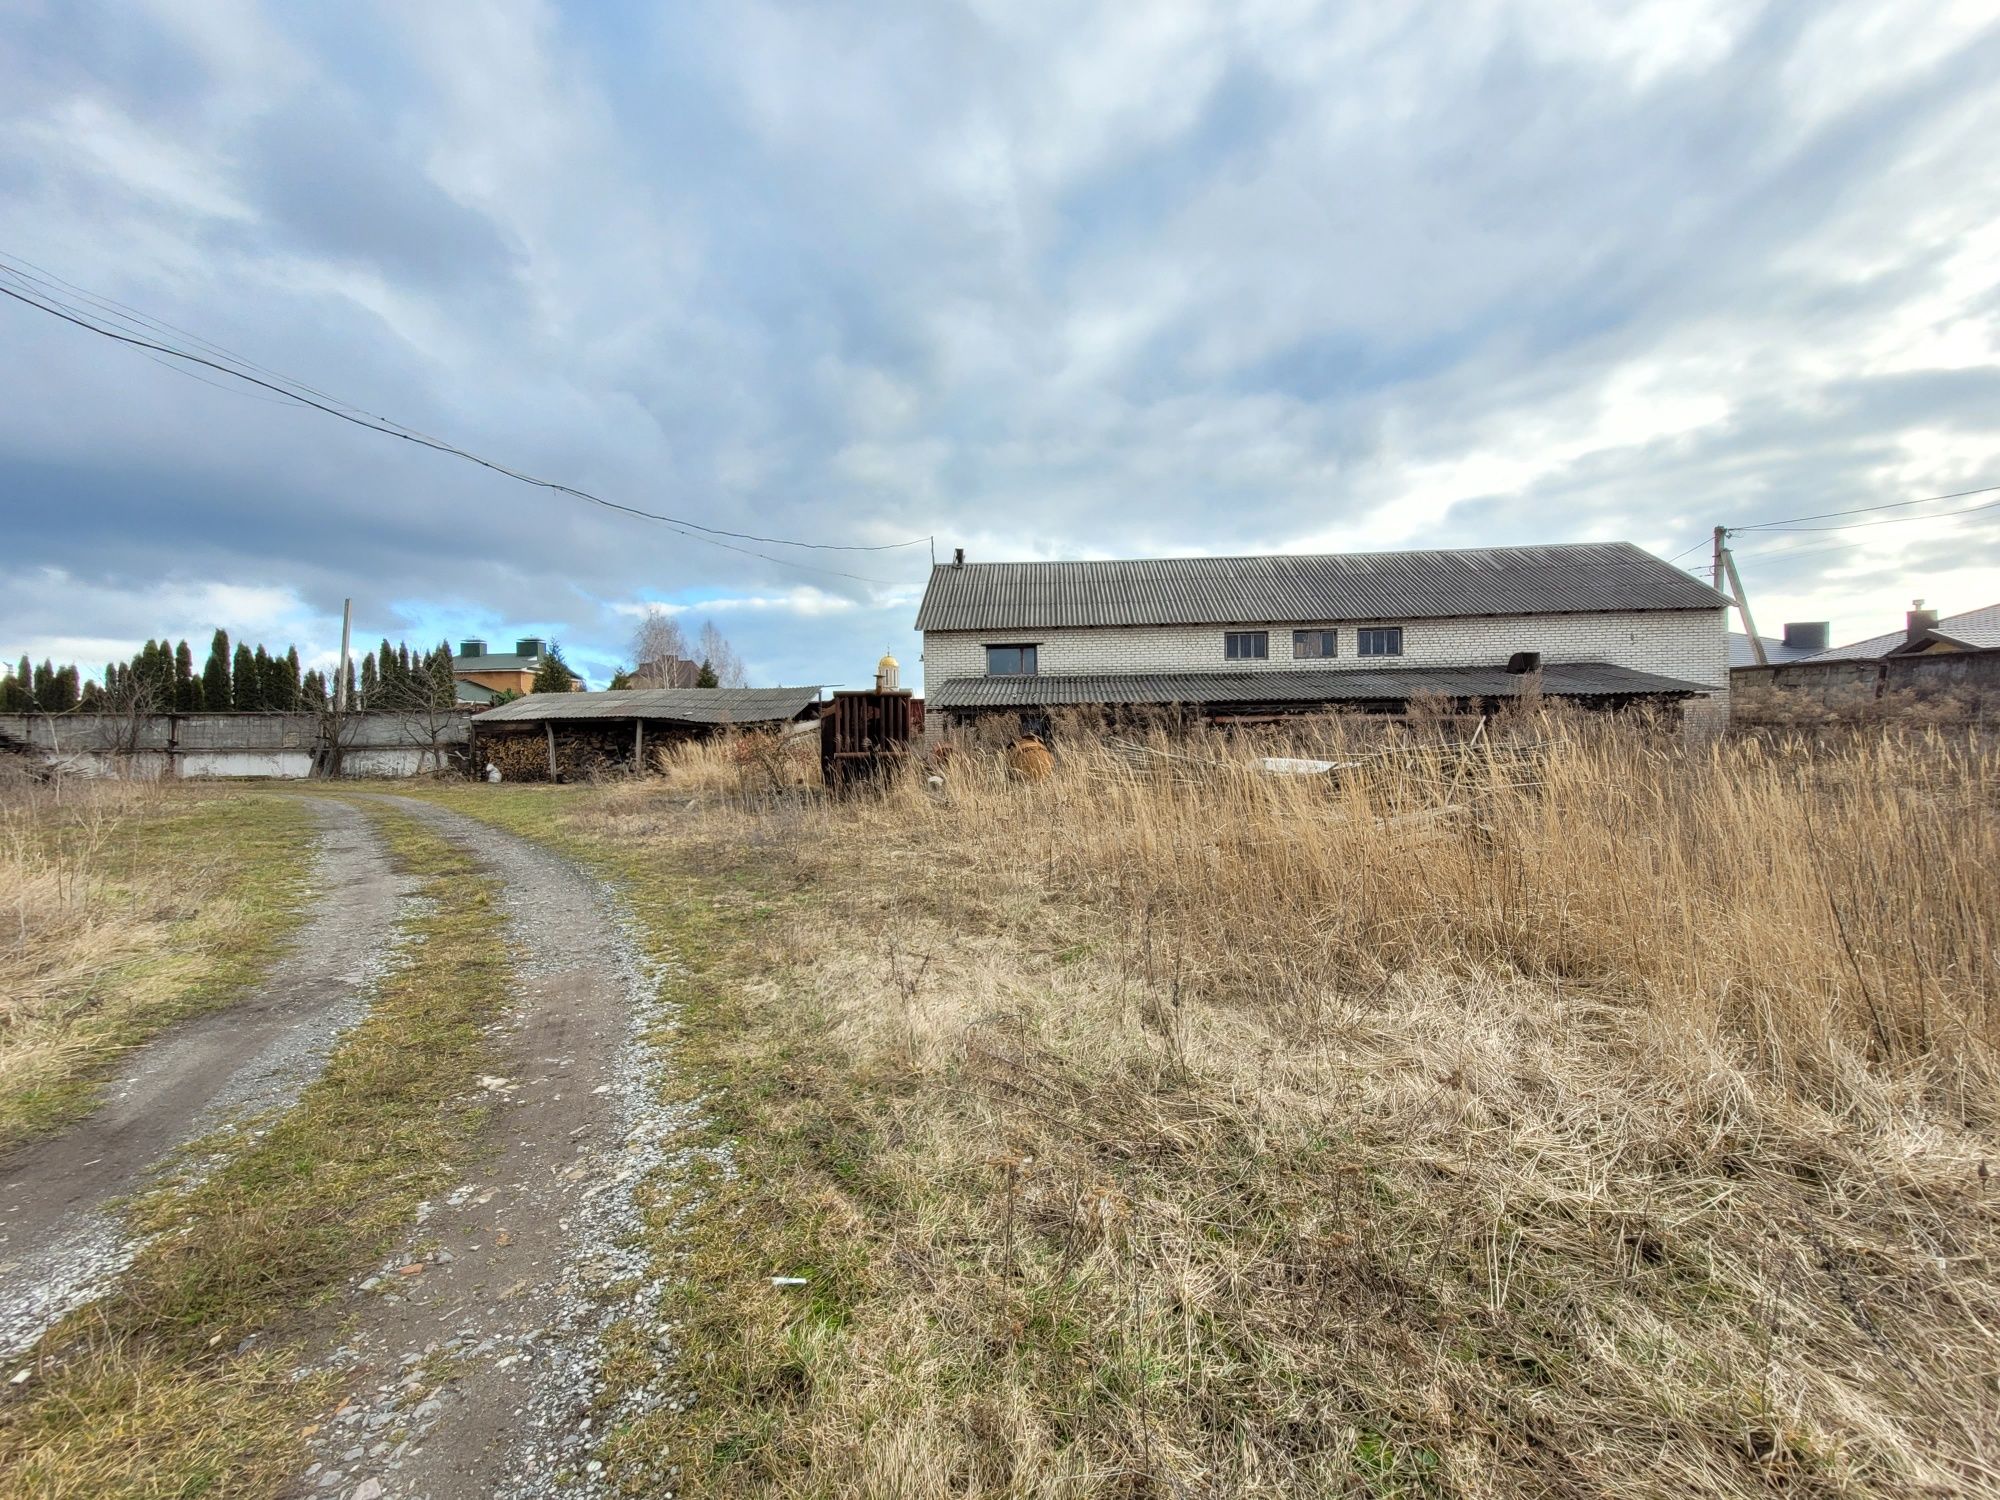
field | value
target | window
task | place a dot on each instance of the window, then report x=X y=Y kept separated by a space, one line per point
x=1010 y=661
x=1246 y=645
x=1384 y=640
x=1311 y=643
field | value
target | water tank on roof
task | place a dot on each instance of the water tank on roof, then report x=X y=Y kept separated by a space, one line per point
x=1807 y=635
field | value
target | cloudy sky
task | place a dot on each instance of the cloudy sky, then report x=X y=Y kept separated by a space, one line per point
x=1167 y=278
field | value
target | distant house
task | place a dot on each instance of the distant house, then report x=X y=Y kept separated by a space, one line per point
x=1923 y=633
x=665 y=672
x=482 y=676
x=1242 y=638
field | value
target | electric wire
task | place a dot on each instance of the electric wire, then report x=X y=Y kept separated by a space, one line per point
x=46 y=302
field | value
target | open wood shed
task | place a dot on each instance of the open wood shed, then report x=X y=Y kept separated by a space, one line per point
x=557 y=736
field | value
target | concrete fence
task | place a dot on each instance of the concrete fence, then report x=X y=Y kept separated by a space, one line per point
x=1967 y=681
x=198 y=745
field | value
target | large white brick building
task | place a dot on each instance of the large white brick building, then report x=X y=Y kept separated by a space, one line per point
x=1605 y=623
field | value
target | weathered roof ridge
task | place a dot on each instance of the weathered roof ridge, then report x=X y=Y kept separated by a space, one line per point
x=1293 y=587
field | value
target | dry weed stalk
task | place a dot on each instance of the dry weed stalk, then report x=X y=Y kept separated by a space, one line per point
x=1568 y=1112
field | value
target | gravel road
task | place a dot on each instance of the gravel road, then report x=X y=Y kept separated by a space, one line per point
x=61 y=1243
x=471 y=1359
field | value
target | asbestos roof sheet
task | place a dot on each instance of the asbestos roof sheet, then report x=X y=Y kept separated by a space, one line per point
x=1329 y=685
x=675 y=705
x=1589 y=577
x=1976 y=630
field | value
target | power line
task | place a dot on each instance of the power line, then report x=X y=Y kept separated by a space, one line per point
x=1863 y=510
x=54 y=307
x=1936 y=515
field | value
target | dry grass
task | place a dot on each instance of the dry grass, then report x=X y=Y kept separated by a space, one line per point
x=185 y=1379
x=125 y=906
x=1574 y=1116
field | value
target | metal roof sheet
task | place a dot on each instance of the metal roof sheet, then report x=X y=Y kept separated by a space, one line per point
x=1776 y=652
x=681 y=705
x=1327 y=685
x=1577 y=578
x=1976 y=629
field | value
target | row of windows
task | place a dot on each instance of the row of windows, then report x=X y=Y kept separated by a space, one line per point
x=1255 y=645
x=1237 y=645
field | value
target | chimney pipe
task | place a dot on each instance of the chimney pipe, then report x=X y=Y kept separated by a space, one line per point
x=1807 y=635
x=958 y=557
x=1918 y=622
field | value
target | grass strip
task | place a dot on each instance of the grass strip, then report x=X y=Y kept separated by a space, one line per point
x=181 y=1382
x=789 y=1114
x=198 y=897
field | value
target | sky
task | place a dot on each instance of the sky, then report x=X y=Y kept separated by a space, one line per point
x=1035 y=280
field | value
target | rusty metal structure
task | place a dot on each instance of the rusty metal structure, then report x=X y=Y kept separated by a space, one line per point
x=864 y=735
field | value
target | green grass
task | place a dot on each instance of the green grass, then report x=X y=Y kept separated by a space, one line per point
x=146 y=1393
x=199 y=896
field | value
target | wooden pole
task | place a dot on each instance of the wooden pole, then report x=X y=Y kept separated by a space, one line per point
x=1715 y=562
x=638 y=747
x=550 y=726
x=340 y=679
x=1743 y=608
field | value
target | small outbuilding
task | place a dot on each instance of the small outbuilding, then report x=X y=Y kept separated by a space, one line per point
x=556 y=736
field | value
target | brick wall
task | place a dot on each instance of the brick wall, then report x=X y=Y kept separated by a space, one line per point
x=1692 y=645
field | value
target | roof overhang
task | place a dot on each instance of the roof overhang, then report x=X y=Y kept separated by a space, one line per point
x=711 y=707
x=1304 y=690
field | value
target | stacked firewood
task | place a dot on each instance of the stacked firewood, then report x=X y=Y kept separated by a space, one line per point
x=580 y=756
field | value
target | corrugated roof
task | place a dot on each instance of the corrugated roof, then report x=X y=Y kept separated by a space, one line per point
x=1776 y=652
x=1327 y=685
x=1578 y=578
x=679 y=705
x=1976 y=629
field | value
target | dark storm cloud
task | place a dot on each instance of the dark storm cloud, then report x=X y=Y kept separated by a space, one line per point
x=1039 y=280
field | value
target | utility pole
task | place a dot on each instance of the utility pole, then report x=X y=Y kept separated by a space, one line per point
x=1743 y=608
x=1715 y=567
x=347 y=629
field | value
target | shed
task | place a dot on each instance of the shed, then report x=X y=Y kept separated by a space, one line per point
x=550 y=736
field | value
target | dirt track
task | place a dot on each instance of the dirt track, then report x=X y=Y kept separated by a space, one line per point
x=469 y=1361
x=508 y=1281
x=60 y=1241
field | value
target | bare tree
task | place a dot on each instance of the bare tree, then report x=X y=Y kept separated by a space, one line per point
x=657 y=637
x=721 y=657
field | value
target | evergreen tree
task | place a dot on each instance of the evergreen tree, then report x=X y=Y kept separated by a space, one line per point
x=24 y=675
x=260 y=667
x=291 y=686
x=91 y=699
x=353 y=688
x=312 y=692
x=385 y=667
x=69 y=691
x=187 y=687
x=553 y=675
x=403 y=674
x=215 y=694
x=370 y=695
x=706 y=676
x=243 y=680
x=14 y=695
x=444 y=687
